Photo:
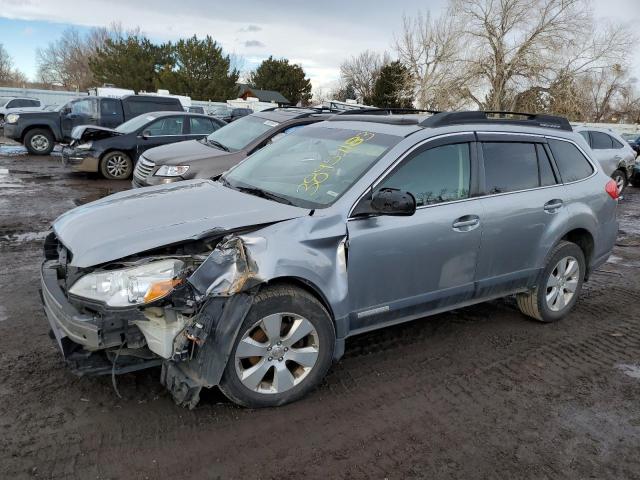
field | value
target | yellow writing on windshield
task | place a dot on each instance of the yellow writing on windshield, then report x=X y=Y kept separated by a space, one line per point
x=311 y=183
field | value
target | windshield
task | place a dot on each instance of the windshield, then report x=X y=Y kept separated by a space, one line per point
x=4 y=101
x=630 y=136
x=237 y=135
x=313 y=166
x=135 y=123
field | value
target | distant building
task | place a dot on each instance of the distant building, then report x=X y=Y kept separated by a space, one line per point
x=269 y=96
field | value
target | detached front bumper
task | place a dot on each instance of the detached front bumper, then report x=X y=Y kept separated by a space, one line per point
x=80 y=160
x=11 y=130
x=67 y=323
x=88 y=341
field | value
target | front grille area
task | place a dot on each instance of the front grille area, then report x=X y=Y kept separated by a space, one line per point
x=143 y=168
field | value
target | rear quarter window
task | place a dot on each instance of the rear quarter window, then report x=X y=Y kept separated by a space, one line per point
x=573 y=165
x=601 y=141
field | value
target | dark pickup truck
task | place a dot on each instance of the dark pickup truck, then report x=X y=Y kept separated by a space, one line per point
x=39 y=130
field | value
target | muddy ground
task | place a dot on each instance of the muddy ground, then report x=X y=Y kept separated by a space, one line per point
x=481 y=392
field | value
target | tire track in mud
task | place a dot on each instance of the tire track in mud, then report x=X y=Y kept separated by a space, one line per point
x=565 y=360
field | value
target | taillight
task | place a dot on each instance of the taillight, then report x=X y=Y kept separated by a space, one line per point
x=612 y=189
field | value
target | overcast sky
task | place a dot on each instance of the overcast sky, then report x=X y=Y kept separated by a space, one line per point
x=318 y=35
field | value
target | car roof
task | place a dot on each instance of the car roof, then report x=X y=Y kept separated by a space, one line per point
x=21 y=98
x=435 y=123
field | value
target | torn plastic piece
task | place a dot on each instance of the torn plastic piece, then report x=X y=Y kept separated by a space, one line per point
x=221 y=318
x=228 y=270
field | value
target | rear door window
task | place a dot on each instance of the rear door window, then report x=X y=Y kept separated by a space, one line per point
x=573 y=165
x=509 y=167
x=439 y=174
x=202 y=126
x=600 y=141
x=166 y=126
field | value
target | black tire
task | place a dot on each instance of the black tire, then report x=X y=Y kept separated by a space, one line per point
x=272 y=300
x=534 y=303
x=621 y=180
x=39 y=141
x=116 y=165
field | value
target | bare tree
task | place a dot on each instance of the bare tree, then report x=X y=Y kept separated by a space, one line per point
x=65 y=61
x=502 y=54
x=429 y=48
x=9 y=76
x=6 y=65
x=362 y=70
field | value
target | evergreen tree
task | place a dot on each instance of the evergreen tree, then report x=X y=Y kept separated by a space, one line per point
x=200 y=70
x=391 y=88
x=131 y=62
x=283 y=77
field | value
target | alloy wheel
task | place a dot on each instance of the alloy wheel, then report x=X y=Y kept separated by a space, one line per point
x=562 y=283
x=277 y=353
x=619 y=183
x=117 y=166
x=39 y=143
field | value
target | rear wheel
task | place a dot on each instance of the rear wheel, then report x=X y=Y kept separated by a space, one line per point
x=621 y=180
x=116 y=166
x=558 y=287
x=39 y=141
x=283 y=349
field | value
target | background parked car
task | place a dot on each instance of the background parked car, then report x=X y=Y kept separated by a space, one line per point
x=195 y=109
x=113 y=152
x=8 y=104
x=222 y=149
x=39 y=130
x=229 y=114
x=633 y=139
x=614 y=154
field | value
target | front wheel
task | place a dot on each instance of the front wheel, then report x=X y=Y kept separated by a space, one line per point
x=558 y=287
x=283 y=350
x=116 y=166
x=39 y=141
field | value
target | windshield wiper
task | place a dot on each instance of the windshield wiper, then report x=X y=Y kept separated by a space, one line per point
x=258 y=192
x=215 y=143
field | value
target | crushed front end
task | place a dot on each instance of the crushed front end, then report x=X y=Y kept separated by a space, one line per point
x=162 y=309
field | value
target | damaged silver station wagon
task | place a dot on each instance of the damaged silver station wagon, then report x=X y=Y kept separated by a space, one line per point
x=253 y=282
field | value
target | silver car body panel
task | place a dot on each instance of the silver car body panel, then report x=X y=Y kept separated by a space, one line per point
x=368 y=272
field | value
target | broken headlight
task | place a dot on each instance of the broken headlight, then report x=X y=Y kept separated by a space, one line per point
x=130 y=286
x=12 y=118
x=172 y=170
x=85 y=146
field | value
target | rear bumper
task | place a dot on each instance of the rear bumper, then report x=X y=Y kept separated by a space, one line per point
x=79 y=160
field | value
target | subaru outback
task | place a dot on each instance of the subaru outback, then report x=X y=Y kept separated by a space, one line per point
x=254 y=281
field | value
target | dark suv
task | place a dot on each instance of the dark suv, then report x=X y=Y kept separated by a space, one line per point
x=254 y=282
x=39 y=130
x=222 y=149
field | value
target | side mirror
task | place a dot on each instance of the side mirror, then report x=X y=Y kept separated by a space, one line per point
x=146 y=134
x=387 y=201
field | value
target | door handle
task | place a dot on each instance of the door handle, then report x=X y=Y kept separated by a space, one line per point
x=552 y=206
x=466 y=223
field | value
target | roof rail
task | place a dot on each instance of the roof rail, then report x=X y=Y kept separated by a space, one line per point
x=496 y=116
x=385 y=111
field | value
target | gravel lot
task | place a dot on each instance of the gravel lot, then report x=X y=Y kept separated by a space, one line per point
x=481 y=392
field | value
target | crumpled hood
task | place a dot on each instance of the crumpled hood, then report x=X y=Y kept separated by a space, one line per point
x=93 y=132
x=138 y=220
x=182 y=152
